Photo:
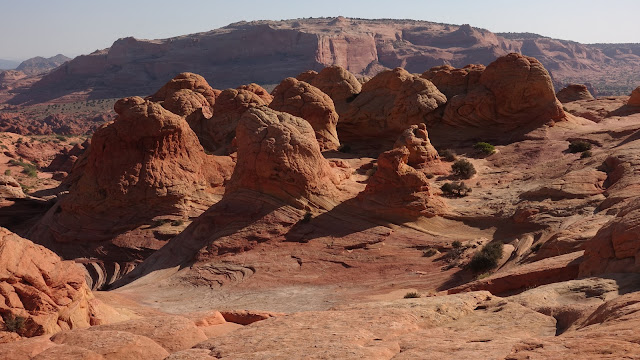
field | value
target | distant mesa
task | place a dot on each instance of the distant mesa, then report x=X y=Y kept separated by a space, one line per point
x=40 y=65
x=574 y=92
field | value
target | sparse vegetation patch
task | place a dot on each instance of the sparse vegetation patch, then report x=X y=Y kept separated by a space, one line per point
x=463 y=169
x=487 y=258
x=579 y=146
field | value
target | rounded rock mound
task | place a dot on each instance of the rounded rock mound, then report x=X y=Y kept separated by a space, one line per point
x=574 y=92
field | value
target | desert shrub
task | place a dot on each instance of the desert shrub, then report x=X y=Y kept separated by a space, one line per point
x=429 y=252
x=447 y=155
x=13 y=323
x=579 y=146
x=463 y=168
x=30 y=169
x=586 y=154
x=455 y=189
x=487 y=258
x=485 y=148
x=177 y=223
x=160 y=222
x=456 y=244
x=7 y=172
x=411 y=295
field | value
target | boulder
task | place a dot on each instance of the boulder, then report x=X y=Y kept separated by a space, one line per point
x=389 y=103
x=186 y=81
x=48 y=294
x=258 y=90
x=574 y=92
x=416 y=140
x=634 y=99
x=298 y=98
x=512 y=92
x=397 y=189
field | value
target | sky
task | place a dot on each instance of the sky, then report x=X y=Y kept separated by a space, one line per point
x=31 y=28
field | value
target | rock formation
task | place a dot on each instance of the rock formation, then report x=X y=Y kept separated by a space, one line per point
x=217 y=132
x=147 y=163
x=389 y=103
x=48 y=294
x=398 y=190
x=337 y=82
x=451 y=81
x=514 y=91
x=10 y=188
x=186 y=81
x=634 y=100
x=574 y=92
x=616 y=247
x=416 y=140
x=298 y=98
x=258 y=90
x=279 y=156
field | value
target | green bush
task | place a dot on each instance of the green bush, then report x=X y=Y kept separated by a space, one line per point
x=177 y=223
x=429 y=252
x=7 y=172
x=454 y=189
x=30 y=169
x=447 y=155
x=487 y=258
x=411 y=295
x=579 y=146
x=13 y=323
x=586 y=154
x=456 y=244
x=485 y=148
x=463 y=168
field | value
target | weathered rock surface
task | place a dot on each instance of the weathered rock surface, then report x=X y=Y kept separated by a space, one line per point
x=337 y=82
x=512 y=92
x=398 y=190
x=634 y=100
x=258 y=90
x=451 y=81
x=616 y=247
x=35 y=284
x=298 y=98
x=10 y=188
x=147 y=163
x=115 y=345
x=416 y=140
x=278 y=155
x=186 y=81
x=389 y=103
x=574 y=92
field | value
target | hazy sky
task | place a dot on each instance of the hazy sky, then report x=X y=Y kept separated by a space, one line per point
x=72 y=27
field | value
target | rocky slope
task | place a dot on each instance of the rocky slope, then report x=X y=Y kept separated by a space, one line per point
x=265 y=52
x=39 y=64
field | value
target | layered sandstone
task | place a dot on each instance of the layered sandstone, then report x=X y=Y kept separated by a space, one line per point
x=147 y=163
x=451 y=81
x=389 y=103
x=35 y=284
x=416 y=140
x=574 y=92
x=514 y=91
x=10 y=188
x=298 y=98
x=398 y=190
x=337 y=82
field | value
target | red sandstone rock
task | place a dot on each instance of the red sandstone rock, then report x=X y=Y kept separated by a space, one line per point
x=574 y=92
x=416 y=140
x=246 y=317
x=451 y=81
x=616 y=247
x=66 y=159
x=397 y=189
x=514 y=91
x=186 y=81
x=389 y=103
x=147 y=163
x=37 y=285
x=298 y=98
x=113 y=345
x=337 y=82
x=634 y=100
x=10 y=188
x=278 y=155
x=258 y=90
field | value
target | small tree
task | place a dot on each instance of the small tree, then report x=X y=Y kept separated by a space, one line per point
x=487 y=258
x=463 y=168
x=454 y=189
x=485 y=148
x=579 y=146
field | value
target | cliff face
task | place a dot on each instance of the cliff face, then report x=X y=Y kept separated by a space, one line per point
x=265 y=52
